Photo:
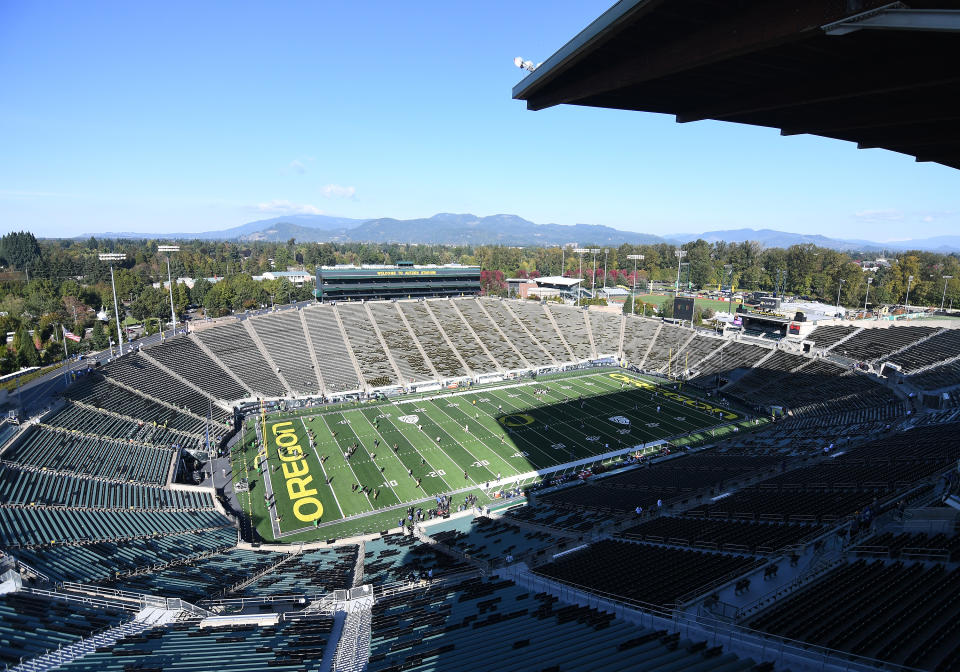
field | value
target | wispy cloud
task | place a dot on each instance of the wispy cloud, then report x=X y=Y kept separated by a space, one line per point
x=298 y=166
x=280 y=207
x=879 y=215
x=338 y=191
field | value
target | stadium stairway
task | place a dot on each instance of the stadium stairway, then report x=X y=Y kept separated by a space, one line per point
x=953 y=501
x=383 y=344
x=265 y=352
x=146 y=618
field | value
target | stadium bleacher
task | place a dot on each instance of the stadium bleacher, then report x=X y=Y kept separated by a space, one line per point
x=83 y=499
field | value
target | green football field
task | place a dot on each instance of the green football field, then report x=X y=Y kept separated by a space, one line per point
x=458 y=442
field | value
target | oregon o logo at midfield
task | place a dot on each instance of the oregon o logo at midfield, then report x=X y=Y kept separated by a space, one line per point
x=516 y=420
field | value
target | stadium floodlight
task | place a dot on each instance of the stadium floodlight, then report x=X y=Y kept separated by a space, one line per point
x=680 y=254
x=593 y=278
x=525 y=65
x=906 y=303
x=943 y=299
x=865 y=298
x=839 y=287
x=635 y=257
x=111 y=257
x=605 y=253
x=168 y=249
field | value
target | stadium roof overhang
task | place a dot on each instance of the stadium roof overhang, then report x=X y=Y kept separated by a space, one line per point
x=874 y=72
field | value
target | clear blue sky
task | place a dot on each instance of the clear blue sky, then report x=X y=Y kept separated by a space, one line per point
x=192 y=116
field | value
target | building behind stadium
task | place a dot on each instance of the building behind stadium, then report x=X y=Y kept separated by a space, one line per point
x=405 y=280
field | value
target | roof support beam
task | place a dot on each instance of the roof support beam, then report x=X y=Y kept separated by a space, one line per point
x=934 y=20
x=766 y=25
x=821 y=91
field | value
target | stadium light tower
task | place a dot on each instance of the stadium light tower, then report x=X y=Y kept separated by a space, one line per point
x=680 y=254
x=593 y=278
x=636 y=258
x=606 y=252
x=906 y=303
x=111 y=257
x=167 y=249
x=839 y=287
x=943 y=299
x=865 y=298
x=580 y=251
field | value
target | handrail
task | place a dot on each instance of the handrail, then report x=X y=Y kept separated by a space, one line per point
x=762 y=643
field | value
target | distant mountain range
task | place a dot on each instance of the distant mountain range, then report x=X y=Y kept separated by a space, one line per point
x=466 y=229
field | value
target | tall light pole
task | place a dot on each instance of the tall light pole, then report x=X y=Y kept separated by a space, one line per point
x=111 y=257
x=168 y=249
x=907 y=302
x=635 y=257
x=867 y=297
x=580 y=251
x=839 y=287
x=606 y=251
x=593 y=278
x=730 y=268
x=943 y=299
x=680 y=254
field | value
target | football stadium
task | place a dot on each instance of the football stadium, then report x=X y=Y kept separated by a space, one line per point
x=434 y=479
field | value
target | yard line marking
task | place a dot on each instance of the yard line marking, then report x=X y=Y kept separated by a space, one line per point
x=322 y=468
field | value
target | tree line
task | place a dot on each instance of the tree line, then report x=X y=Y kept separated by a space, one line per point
x=45 y=283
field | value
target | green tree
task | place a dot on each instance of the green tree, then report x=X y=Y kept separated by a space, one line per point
x=98 y=337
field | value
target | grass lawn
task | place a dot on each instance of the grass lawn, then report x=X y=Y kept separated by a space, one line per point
x=409 y=450
x=712 y=304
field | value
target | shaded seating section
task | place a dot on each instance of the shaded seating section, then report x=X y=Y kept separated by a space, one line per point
x=94 y=390
x=140 y=374
x=512 y=329
x=908 y=614
x=75 y=453
x=84 y=420
x=30 y=625
x=726 y=535
x=912 y=545
x=461 y=337
x=200 y=578
x=103 y=560
x=934 y=350
x=282 y=335
x=773 y=368
x=872 y=344
x=677 y=479
x=374 y=365
x=336 y=365
x=28 y=488
x=452 y=628
x=441 y=355
x=185 y=358
x=485 y=330
x=490 y=539
x=638 y=333
x=39 y=526
x=828 y=336
x=397 y=557
x=665 y=353
x=652 y=575
x=938 y=377
x=320 y=571
x=534 y=318
x=572 y=324
x=725 y=361
x=549 y=516
x=605 y=327
x=404 y=351
x=236 y=349
x=812 y=505
x=295 y=643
